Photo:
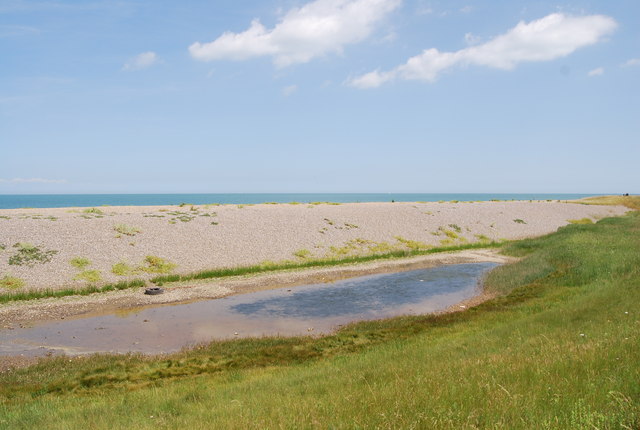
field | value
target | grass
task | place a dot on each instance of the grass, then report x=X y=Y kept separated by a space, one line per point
x=93 y=211
x=556 y=349
x=122 y=269
x=580 y=221
x=339 y=260
x=11 y=282
x=302 y=253
x=80 y=262
x=82 y=291
x=519 y=221
x=154 y=264
x=632 y=202
x=92 y=276
x=126 y=229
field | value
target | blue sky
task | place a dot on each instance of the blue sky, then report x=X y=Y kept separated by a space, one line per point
x=319 y=96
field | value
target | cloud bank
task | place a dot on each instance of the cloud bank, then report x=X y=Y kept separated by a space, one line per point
x=313 y=30
x=141 y=61
x=554 y=36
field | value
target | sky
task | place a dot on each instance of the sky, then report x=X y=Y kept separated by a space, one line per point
x=227 y=96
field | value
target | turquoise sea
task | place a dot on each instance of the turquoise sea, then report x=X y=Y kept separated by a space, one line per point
x=14 y=201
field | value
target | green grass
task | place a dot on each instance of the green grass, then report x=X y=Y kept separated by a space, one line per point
x=92 y=276
x=632 y=202
x=83 y=291
x=122 y=269
x=80 y=262
x=154 y=264
x=557 y=349
x=11 y=282
x=93 y=211
x=338 y=260
x=126 y=229
x=580 y=221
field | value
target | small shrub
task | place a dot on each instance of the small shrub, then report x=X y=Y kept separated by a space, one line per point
x=302 y=253
x=79 y=262
x=29 y=255
x=412 y=244
x=519 y=221
x=11 y=282
x=122 y=269
x=126 y=229
x=482 y=238
x=89 y=276
x=157 y=265
x=456 y=227
x=93 y=211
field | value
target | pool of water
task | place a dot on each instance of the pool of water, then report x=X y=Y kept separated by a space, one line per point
x=308 y=309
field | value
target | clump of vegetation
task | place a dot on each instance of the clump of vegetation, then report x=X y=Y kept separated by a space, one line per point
x=30 y=255
x=155 y=264
x=519 y=221
x=302 y=253
x=122 y=269
x=580 y=221
x=11 y=282
x=455 y=227
x=126 y=229
x=181 y=216
x=632 y=202
x=93 y=211
x=482 y=238
x=89 y=276
x=80 y=262
x=350 y=226
x=3 y=246
x=4 y=217
x=412 y=244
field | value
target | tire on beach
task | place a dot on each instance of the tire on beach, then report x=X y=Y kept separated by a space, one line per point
x=153 y=291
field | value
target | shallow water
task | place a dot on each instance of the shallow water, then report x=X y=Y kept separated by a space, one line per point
x=308 y=309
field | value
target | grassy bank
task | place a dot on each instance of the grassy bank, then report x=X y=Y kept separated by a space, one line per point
x=558 y=348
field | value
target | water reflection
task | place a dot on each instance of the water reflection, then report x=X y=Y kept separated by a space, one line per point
x=316 y=308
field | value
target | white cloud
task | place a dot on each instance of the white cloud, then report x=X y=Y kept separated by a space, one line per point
x=466 y=9
x=32 y=181
x=554 y=36
x=596 y=72
x=287 y=91
x=632 y=62
x=141 y=61
x=315 y=29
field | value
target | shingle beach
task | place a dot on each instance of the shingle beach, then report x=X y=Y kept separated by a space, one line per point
x=208 y=236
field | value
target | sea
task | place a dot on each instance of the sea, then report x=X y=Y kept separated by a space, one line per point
x=16 y=201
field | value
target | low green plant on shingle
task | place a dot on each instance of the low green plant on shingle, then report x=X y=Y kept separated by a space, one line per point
x=519 y=221
x=11 y=282
x=80 y=262
x=122 y=269
x=302 y=253
x=89 y=276
x=30 y=255
x=126 y=229
x=154 y=264
x=412 y=244
x=93 y=211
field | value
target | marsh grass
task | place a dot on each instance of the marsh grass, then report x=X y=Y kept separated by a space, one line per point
x=556 y=349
